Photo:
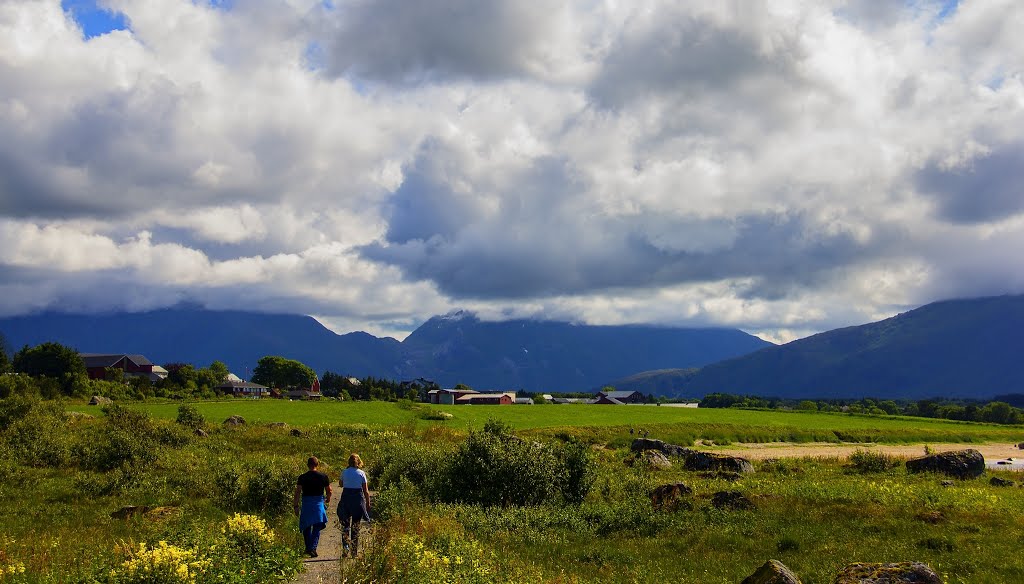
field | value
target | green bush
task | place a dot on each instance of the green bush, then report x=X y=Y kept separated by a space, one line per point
x=865 y=461
x=190 y=417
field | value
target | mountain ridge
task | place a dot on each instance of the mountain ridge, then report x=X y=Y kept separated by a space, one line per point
x=951 y=348
x=455 y=348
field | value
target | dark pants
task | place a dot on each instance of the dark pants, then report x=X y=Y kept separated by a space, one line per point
x=311 y=535
x=351 y=511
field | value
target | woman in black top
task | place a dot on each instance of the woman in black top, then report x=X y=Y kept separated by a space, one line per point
x=311 y=504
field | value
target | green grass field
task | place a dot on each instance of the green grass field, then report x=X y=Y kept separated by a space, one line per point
x=608 y=422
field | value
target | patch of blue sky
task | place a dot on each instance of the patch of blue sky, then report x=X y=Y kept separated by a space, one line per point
x=314 y=57
x=93 y=19
x=222 y=4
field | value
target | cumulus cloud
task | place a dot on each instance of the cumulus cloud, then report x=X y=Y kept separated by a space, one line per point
x=784 y=167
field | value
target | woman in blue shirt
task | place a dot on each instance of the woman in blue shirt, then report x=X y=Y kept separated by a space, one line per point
x=354 y=506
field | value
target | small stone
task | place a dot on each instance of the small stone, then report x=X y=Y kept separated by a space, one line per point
x=235 y=421
x=1000 y=482
x=201 y=433
x=296 y=432
x=278 y=425
x=947 y=483
x=772 y=572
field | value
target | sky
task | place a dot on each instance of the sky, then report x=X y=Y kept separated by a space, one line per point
x=782 y=167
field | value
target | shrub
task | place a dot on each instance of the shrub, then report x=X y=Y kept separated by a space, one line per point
x=249 y=534
x=190 y=417
x=866 y=461
x=160 y=564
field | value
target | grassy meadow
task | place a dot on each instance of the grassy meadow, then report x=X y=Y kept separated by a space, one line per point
x=608 y=423
x=61 y=477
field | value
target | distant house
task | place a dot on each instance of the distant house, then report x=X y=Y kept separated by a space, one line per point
x=243 y=388
x=528 y=401
x=495 y=399
x=567 y=400
x=96 y=365
x=605 y=400
x=626 y=397
x=448 y=396
x=304 y=394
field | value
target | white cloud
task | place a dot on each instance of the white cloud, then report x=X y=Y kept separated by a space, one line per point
x=783 y=167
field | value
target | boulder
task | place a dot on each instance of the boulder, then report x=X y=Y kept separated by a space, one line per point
x=643 y=444
x=896 y=573
x=99 y=400
x=731 y=500
x=1020 y=446
x=961 y=464
x=772 y=572
x=694 y=459
x=708 y=461
x=670 y=497
x=1000 y=482
x=651 y=459
x=235 y=421
x=201 y=433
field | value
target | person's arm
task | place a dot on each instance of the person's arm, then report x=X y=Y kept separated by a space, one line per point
x=327 y=499
x=297 y=498
x=366 y=495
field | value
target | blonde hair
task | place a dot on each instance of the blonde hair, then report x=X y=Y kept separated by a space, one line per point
x=355 y=461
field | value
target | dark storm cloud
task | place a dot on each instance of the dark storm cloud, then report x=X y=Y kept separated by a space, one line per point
x=989 y=188
x=545 y=239
x=680 y=53
x=434 y=40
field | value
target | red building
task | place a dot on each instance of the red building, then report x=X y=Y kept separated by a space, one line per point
x=96 y=365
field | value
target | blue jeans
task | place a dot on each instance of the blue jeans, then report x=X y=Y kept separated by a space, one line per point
x=311 y=535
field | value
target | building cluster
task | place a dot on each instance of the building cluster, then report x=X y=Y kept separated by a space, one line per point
x=465 y=396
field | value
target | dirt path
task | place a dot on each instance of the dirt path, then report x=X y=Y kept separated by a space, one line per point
x=991 y=452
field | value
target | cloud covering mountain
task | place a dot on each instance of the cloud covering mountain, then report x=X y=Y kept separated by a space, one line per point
x=784 y=167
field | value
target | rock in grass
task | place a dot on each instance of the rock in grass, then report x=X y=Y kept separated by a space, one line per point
x=694 y=459
x=99 y=400
x=201 y=433
x=1000 y=482
x=1020 y=446
x=644 y=444
x=278 y=425
x=235 y=421
x=296 y=432
x=961 y=464
x=670 y=497
x=651 y=459
x=129 y=512
x=772 y=572
x=896 y=573
x=731 y=500
x=709 y=461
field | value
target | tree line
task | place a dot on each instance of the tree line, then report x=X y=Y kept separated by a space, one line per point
x=996 y=412
x=51 y=370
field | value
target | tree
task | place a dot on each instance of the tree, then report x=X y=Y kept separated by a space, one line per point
x=5 y=362
x=274 y=371
x=50 y=360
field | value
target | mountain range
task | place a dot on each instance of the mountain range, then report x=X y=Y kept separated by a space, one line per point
x=455 y=348
x=955 y=348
